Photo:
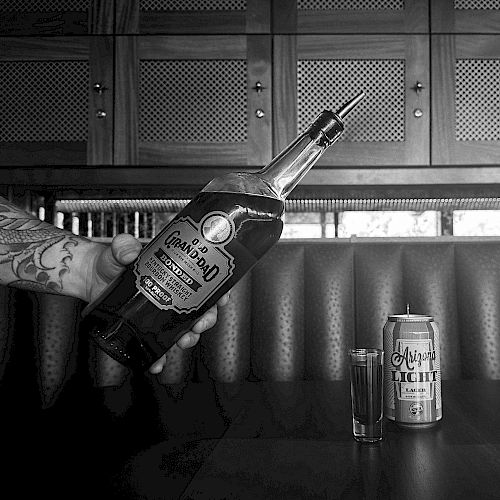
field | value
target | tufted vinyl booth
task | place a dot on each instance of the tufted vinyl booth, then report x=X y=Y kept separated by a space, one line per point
x=293 y=317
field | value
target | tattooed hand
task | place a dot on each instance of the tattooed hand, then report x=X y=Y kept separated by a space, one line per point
x=37 y=256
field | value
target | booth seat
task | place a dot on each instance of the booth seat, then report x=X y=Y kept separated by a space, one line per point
x=293 y=317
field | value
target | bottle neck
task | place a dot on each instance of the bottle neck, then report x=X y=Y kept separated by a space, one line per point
x=292 y=164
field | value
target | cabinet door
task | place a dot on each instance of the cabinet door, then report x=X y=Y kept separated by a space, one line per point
x=193 y=100
x=348 y=16
x=56 y=17
x=316 y=72
x=465 y=16
x=50 y=112
x=466 y=99
x=169 y=17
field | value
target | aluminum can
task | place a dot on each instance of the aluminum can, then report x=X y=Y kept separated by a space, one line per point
x=412 y=372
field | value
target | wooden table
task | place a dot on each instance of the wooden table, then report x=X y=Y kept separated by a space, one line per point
x=293 y=440
x=256 y=440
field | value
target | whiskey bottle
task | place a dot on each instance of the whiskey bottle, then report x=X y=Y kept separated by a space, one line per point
x=200 y=255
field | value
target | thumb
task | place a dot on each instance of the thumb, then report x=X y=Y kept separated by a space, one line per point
x=123 y=250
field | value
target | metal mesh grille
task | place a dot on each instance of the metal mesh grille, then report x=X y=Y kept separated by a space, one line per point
x=292 y=205
x=350 y=4
x=477 y=99
x=193 y=101
x=379 y=117
x=44 y=5
x=44 y=101
x=165 y=5
x=477 y=4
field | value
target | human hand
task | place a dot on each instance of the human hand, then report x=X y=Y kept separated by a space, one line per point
x=111 y=260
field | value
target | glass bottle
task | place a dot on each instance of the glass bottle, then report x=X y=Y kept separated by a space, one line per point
x=203 y=252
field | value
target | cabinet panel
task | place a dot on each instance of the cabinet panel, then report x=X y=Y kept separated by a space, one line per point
x=465 y=16
x=193 y=16
x=48 y=110
x=466 y=99
x=349 y=16
x=56 y=17
x=319 y=72
x=194 y=100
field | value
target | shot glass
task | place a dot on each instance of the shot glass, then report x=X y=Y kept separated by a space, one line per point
x=366 y=370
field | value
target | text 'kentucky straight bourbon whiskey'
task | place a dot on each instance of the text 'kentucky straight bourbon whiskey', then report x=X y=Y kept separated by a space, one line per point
x=203 y=252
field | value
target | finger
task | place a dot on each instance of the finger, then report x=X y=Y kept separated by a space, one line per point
x=224 y=299
x=157 y=366
x=123 y=250
x=188 y=340
x=206 y=321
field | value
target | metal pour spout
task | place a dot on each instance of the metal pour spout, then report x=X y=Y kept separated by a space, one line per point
x=349 y=106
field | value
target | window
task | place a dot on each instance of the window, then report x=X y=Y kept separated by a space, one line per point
x=304 y=219
x=476 y=222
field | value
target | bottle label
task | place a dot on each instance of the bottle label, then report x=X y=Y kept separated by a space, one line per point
x=185 y=265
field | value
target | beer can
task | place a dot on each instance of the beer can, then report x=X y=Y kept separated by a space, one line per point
x=412 y=372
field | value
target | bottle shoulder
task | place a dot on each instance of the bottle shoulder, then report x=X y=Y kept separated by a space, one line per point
x=241 y=182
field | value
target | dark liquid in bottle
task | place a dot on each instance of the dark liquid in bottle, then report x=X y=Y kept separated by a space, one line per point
x=366 y=410
x=133 y=330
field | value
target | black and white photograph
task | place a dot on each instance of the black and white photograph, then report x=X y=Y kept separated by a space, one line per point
x=250 y=249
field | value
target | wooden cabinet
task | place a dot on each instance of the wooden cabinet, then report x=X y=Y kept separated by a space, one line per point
x=465 y=16
x=199 y=101
x=56 y=105
x=162 y=17
x=200 y=86
x=391 y=125
x=466 y=99
x=349 y=16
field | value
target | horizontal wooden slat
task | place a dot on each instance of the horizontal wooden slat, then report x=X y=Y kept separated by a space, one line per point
x=383 y=21
x=351 y=46
x=49 y=48
x=156 y=22
x=196 y=47
x=477 y=46
x=189 y=176
x=446 y=19
x=477 y=21
x=38 y=153
x=372 y=154
x=44 y=23
x=158 y=153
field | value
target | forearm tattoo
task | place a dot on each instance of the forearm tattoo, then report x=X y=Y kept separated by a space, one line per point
x=33 y=254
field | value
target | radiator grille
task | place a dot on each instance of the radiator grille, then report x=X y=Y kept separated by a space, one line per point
x=326 y=84
x=44 y=101
x=350 y=5
x=477 y=4
x=292 y=205
x=44 y=5
x=166 y=5
x=477 y=99
x=193 y=101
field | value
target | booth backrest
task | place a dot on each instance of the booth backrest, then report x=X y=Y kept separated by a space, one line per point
x=293 y=317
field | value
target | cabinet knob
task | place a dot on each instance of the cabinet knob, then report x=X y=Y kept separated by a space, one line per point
x=259 y=113
x=99 y=88
x=259 y=87
x=418 y=113
x=418 y=87
x=100 y=114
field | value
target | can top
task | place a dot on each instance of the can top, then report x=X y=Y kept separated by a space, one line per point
x=409 y=318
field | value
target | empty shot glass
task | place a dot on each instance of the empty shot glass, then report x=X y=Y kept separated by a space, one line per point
x=366 y=370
